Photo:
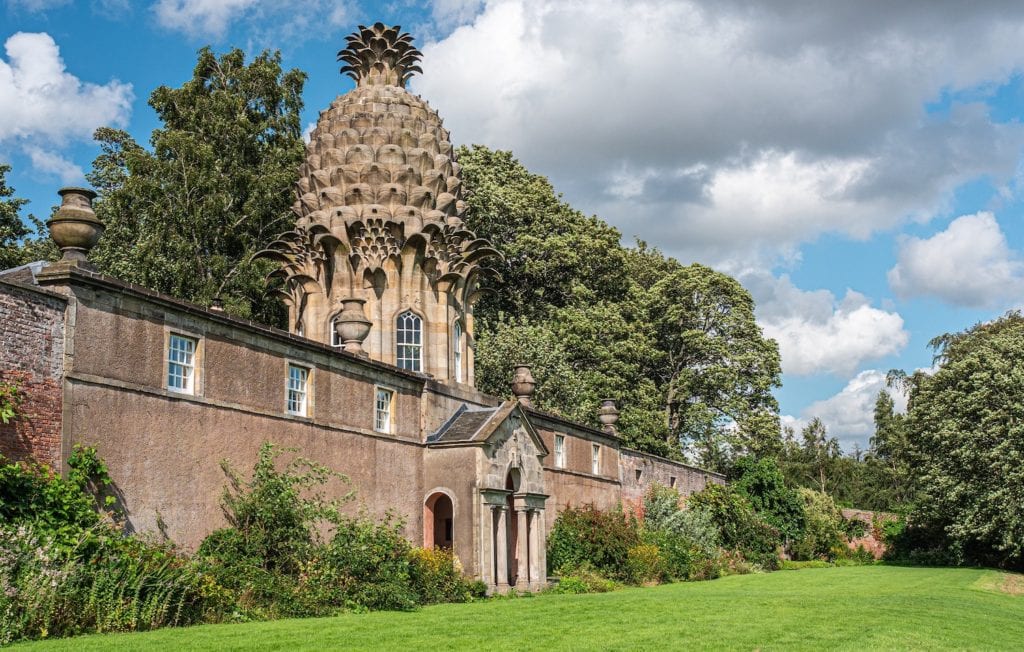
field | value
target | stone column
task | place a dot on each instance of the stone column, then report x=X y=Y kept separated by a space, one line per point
x=523 y=545
x=487 y=546
x=538 y=574
x=502 y=550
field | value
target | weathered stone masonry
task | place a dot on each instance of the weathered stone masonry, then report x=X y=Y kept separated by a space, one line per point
x=32 y=354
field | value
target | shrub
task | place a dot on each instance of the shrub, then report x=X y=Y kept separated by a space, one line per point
x=121 y=584
x=60 y=509
x=824 y=528
x=437 y=576
x=687 y=538
x=763 y=484
x=586 y=535
x=584 y=579
x=739 y=527
x=645 y=563
x=366 y=566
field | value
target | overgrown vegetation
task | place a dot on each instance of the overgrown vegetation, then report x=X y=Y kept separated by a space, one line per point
x=66 y=567
x=10 y=400
x=745 y=526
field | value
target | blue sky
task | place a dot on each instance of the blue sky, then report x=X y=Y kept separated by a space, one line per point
x=855 y=165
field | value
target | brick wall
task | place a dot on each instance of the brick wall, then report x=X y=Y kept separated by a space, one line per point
x=640 y=471
x=32 y=352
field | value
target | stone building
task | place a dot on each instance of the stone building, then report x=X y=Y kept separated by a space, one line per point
x=374 y=377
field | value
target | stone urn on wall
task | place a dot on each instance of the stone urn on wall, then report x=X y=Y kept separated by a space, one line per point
x=608 y=415
x=75 y=228
x=523 y=384
x=352 y=325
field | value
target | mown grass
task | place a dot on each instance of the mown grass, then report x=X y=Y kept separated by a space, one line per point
x=867 y=607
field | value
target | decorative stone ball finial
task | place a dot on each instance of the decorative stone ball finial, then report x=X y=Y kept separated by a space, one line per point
x=523 y=385
x=380 y=56
x=608 y=415
x=352 y=325
x=75 y=228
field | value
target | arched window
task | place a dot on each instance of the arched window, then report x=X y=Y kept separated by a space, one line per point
x=457 y=350
x=409 y=340
x=335 y=338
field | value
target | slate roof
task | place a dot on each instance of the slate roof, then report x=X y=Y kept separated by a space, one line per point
x=463 y=425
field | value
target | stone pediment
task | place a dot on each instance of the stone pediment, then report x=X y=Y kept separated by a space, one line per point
x=486 y=427
x=508 y=441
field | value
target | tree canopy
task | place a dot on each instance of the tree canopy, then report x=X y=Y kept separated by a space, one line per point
x=965 y=428
x=677 y=345
x=186 y=217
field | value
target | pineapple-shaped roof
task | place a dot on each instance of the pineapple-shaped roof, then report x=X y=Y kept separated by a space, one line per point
x=380 y=174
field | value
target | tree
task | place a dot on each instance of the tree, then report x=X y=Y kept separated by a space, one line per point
x=12 y=229
x=186 y=217
x=891 y=450
x=965 y=425
x=718 y=369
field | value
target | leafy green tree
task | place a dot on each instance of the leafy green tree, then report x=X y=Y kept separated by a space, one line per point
x=186 y=217
x=600 y=320
x=718 y=369
x=890 y=449
x=12 y=229
x=551 y=251
x=965 y=424
x=762 y=482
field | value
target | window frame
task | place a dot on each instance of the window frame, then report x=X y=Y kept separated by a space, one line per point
x=306 y=390
x=595 y=459
x=192 y=385
x=400 y=359
x=388 y=426
x=559 y=451
x=457 y=350
x=332 y=334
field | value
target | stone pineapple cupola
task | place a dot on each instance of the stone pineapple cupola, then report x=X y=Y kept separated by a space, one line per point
x=379 y=205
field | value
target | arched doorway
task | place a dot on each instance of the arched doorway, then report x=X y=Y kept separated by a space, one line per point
x=438 y=521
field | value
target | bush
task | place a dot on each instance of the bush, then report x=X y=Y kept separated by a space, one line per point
x=587 y=536
x=824 y=528
x=763 y=484
x=437 y=577
x=687 y=538
x=58 y=509
x=644 y=563
x=584 y=579
x=122 y=584
x=739 y=527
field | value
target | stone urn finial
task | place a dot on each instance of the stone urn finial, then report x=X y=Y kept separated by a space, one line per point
x=608 y=415
x=352 y=325
x=75 y=228
x=523 y=385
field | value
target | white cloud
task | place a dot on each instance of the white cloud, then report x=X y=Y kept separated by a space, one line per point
x=818 y=333
x=968 y=264
x=53 y=163
x=849 y=414
x=210 y=17
x=42 y=103
x=38 y=97
x=36 y=5
x=720 y=129
x=275 y=21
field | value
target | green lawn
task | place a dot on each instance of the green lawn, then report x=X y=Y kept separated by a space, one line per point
x=867 y=607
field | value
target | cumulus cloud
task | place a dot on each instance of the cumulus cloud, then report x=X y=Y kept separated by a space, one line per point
x=818 y=333
x=55 y=164
x=968 y=264
x=266 y=20
x=43 y=104
x=718 y=129
x=849 y=414
x=38 y=97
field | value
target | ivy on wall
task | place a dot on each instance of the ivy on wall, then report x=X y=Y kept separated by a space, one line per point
x=10 y=399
